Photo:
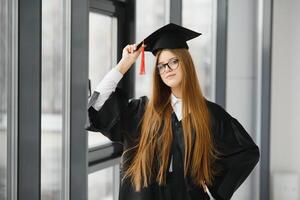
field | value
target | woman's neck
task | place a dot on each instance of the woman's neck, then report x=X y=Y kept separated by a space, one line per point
x=176 y=91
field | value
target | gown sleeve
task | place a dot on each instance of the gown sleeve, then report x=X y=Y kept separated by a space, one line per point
x=237 y=153
x=118 y=119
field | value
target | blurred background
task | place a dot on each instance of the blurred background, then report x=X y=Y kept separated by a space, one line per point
x=53 y=53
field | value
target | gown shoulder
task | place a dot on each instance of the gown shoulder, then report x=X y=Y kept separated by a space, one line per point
x=118 y=118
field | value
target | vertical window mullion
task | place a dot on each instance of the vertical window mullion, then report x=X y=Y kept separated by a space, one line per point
x=29 y=93
x=78 y=99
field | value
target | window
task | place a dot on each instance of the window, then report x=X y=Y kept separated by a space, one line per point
x=54 y=99
x=106 y=40
x=200 y=15
x=103 y=183
x=102 y=57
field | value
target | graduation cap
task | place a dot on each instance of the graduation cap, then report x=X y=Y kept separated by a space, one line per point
x=170 y=36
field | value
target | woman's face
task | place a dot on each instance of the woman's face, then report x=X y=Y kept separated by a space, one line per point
x=170 y=74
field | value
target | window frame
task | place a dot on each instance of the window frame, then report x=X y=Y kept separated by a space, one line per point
x=100 y=157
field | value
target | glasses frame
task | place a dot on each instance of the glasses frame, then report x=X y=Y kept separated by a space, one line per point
x=168 y=64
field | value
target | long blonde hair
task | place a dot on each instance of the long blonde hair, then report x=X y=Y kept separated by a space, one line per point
x=151 y=157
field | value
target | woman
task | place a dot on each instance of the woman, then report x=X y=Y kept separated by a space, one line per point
x=177 y=144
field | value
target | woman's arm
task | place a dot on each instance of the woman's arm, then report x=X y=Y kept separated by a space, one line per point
x=110 y=111
x=238 y=154
x=104 y=89
x=109 y=83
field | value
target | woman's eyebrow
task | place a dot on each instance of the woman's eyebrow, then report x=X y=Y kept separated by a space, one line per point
x=167 y=61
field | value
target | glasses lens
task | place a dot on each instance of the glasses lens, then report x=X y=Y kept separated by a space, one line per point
x=161 y=68
x=173 y=63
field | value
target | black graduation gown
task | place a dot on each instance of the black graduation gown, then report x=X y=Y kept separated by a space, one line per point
x=119 y=120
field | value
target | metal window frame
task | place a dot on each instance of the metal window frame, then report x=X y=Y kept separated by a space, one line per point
x=221 y=52
x=78 y=100
x=176 y=11
x=12 y=101
x=29 y=100
x=102 y=154
x=65 y=195
x=265 y=113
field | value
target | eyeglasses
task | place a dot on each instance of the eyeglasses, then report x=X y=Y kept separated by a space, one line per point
x=172 y=65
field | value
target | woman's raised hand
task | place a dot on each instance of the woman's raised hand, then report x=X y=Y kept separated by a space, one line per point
x=129 y=56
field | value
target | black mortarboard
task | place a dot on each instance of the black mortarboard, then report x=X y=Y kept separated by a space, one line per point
x=170 y=36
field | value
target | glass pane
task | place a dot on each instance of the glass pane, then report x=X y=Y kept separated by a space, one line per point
x=53 y=64
x=284 y=104
x=200 y=15
x=4 y=15
x=103 y=184
x=150 y=15
x=102 y=56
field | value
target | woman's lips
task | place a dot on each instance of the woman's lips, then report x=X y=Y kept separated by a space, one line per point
x=170 y=75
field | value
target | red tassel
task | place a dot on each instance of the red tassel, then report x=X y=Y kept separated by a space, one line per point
x=142 y=66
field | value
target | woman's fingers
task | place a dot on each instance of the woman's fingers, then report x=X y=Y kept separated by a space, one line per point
x=131 y=52
x=131 y=48
x=128 y=48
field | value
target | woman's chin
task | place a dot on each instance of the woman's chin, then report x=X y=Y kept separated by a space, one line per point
x=171 y=84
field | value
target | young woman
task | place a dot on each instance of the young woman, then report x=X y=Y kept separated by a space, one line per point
x=177 y=145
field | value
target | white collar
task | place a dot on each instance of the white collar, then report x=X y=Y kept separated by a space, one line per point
x=175 y=100
x=177 y=106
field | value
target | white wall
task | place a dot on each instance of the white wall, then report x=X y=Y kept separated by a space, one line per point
x=285 y=106
x=241 y=76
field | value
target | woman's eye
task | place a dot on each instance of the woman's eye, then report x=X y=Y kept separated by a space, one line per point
x=160 y=67
x=174 y=62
